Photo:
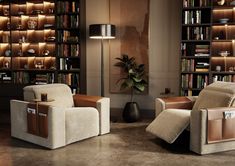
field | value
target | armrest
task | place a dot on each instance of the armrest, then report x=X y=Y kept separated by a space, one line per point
x=184 y=102
x=102 y=104
x=56 y=125
x=85 y=101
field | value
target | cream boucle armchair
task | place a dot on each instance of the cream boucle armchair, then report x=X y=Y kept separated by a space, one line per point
x=70 y=118
x=210 y=117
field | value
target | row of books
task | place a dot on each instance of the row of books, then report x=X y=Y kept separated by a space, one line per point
x=188 y=92
x=68 y=50
x=197 y=33
x=226 y=78
x=66 y=21
x=71 y=79
x=202 y=67
x=196 y=3
x=69 y=63
x=192 y=49
x=192 y=17
x=191 y=81
x=189 y=65
x=66 y=6
x=33 y=78
x=66 y=36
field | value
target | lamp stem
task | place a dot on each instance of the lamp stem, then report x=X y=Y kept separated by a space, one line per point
x=102 y=68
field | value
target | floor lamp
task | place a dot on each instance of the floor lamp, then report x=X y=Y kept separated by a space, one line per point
x=102 y=32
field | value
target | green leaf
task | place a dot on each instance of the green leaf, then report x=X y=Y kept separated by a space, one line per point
x=140 y=87
x=136 y=79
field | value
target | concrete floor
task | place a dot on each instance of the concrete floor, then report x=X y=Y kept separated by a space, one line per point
x=126 y=145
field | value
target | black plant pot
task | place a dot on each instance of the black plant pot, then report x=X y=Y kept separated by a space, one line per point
x=131 y=112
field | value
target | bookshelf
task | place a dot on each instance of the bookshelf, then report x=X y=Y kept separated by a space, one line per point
x=223 y=42
x=195 y=46
x=207 y=45
x=41 y=42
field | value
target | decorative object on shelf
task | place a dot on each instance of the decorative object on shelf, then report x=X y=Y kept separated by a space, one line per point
x=51 y=10
x=133 y=79
x=6 y=11
x=38 y=64
x=18 y=26
x=32 y=24
x=8 y=52
x=37 y=12
x=218 y=68
x=31 y=51
x=45 y=52
x=224 y=53
x=230 y=69
x=20 y=12
x=50 y=38
x=102 y=32
x=48 y=25
x=22 y=39
x=220 y=2
x=20 y=53
x=6 y=64
x=223 y=20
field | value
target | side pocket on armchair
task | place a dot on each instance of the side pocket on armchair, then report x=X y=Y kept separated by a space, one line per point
x=32 y=119
x=214 y=130
x=43 y=120
x=228 y=128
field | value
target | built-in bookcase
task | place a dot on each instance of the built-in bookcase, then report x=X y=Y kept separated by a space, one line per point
x=207 y=45
x=195 y=46
x=41 y=42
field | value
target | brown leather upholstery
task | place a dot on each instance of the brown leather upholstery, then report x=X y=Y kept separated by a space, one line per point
x=220 y=129
x=85 y=101
x=177 y=102
x=37 y=121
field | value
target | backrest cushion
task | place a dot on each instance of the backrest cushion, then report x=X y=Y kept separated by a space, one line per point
x=60 y=93
x=218 y=94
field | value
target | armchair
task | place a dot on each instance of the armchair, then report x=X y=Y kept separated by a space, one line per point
x=215 y=101
x=70 y=117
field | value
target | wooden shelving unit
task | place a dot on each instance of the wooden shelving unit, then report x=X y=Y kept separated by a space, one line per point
x=207 y=45
x=41 y=42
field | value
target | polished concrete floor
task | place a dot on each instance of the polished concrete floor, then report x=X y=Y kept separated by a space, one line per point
x=127 y=145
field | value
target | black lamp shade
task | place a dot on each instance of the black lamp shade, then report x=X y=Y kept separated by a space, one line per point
x=102 y=31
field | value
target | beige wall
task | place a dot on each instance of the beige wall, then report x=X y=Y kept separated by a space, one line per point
x=163 y=55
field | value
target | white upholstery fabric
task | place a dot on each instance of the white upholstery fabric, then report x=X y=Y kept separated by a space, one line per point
x=82 y=123
x=103 y=106
x=170 y=124
x=60 y=93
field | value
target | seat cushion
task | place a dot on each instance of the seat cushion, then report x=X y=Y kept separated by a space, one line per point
x=60 y=93
x=170 y=124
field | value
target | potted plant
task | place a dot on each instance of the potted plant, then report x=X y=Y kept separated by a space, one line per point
x=133 y=79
